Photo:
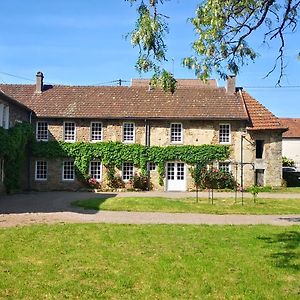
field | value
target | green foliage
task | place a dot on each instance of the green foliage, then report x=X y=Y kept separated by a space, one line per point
x=140 y=182
x=224 y=29
x=254 y=190
x=14 y=144
x=287 y=162
x=216 y=179
x=113 y=154
x=149 y=36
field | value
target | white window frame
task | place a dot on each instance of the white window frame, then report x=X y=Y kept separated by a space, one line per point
x=152 y=166
x=123 y=133
x=37 y=131
x=229 y=126
x=225 y=162
x=5 y=120
x=64 y=133
x=1 y=115
x=1 y=170
x=123 y=170
x=36 y=170
x=181 y=133
x=63 y=171
x=91 y=131
x=90 y=170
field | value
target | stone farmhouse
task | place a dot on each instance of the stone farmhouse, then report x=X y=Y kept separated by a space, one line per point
x=196 y=114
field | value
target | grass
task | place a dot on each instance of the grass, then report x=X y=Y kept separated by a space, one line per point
x=286 y=190
x=97 y=261
x=220 y=206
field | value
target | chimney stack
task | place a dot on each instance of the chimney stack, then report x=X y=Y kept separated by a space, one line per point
x=230 y=85
x=39 y=82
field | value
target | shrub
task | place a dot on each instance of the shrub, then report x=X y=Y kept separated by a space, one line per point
x=116 y=182
x=287 y=162
x=140 y=182
x=216 y=179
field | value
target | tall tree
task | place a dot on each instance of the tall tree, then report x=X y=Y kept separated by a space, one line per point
x=223 y=29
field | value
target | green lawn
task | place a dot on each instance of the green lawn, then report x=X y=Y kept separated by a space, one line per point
x=220 y=206
x=97 y=261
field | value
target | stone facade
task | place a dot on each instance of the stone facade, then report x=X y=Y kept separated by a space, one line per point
x=194 y=133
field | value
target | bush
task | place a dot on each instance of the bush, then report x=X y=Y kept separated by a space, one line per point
x=216 y=179
x=140 y=182
x=287 y=162
x=116 y=183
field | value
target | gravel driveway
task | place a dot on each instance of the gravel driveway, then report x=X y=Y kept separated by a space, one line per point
x=54 y=207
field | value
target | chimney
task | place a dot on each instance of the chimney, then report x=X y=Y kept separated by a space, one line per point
x=230 y=85
x=39 y=82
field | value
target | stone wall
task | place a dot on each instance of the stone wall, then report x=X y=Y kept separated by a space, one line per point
x=194 y=133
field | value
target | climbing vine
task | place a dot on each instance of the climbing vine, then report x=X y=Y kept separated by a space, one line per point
x=113 y=154
x=14 y=147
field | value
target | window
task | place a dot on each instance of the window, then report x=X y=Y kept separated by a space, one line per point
x=1 y=170
x=224 y=133
x=96 y=131
x=224 y=166
x=95 y=169
x=127 y=171
x=128 y=132
x=152 y=166
x=68 y=170
x=41 y=170
x=69 y=131
x=176 y=133
x=4 y=116
x=42 y=131
x=259 y=145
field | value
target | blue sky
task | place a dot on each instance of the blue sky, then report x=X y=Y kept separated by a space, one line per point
x=82 y=43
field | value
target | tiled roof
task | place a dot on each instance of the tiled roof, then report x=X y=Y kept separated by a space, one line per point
x=11 y=100
x=294 y=127
x=181 y=83
x=260 y=117
x=129 y=102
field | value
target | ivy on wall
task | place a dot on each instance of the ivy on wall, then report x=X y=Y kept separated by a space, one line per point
x=14 y=147
x=113 y=154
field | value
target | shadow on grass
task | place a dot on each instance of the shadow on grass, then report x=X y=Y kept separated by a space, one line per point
x=287 y=245
x=48 y=202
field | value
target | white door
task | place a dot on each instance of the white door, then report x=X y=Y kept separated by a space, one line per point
x=176 y=176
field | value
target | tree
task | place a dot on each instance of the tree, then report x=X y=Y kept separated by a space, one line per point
x=223 y=29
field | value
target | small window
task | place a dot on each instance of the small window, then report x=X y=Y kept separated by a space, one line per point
x=69 y=131
x=42 y=131
x=68 y=170
x=4 y=116
x=224 y=133
x=152 y=166
x=259 y=145
x=128 y=132
x=41 y=170
x=127 y=171
x=176 y=133
x=1 y=170
x=224 y=167
x=95 y=169
x=96 y=131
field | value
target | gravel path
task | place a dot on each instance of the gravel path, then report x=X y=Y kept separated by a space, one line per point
x=54 y=207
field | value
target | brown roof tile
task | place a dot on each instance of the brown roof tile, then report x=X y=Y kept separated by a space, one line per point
x=294 y=127
x=260 y=117
x=128 y=102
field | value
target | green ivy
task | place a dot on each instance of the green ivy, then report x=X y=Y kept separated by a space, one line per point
x=113 y=154
x=14 y=147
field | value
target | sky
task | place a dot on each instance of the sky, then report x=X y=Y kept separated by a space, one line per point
x=76 y=42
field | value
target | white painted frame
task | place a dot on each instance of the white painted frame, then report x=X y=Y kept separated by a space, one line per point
x=182 y=131
x=134 y=128
x=64 y=126
x=225 y=143
x=35 y=175
x=36 y=131
x=101 y=169
x=96 y=141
